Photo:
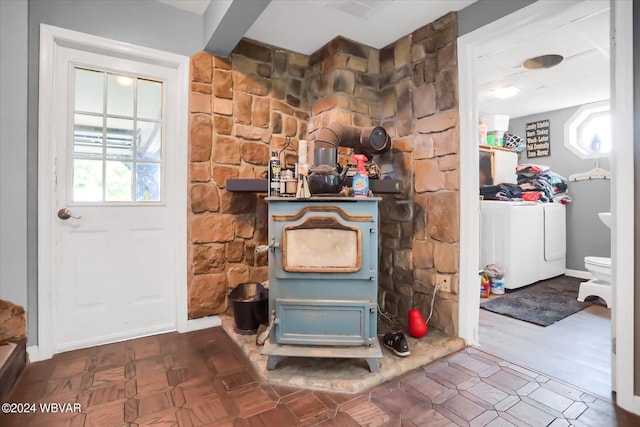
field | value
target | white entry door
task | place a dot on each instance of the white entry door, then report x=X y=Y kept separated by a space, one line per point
x=117 y=203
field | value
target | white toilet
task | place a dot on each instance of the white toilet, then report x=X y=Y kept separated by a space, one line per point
x=600 y=269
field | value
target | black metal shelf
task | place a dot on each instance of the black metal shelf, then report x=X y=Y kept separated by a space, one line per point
x=377 y=186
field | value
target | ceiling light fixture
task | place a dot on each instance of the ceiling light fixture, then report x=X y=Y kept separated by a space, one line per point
x=505 y=92
x=124 y=81
x=542 y=62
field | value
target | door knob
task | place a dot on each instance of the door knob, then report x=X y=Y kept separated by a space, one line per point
x=65 y=214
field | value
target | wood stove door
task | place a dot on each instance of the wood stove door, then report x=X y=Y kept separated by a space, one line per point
x=323 y=245
x=324 y=322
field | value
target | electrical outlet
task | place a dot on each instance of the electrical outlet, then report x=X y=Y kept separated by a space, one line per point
x=444 y=282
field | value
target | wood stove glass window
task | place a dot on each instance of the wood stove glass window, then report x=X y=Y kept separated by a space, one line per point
x=321 y=245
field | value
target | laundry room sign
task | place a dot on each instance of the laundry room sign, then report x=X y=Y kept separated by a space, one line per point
x=538 y=142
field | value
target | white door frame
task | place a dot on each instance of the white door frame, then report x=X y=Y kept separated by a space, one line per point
x=469 y=200
x=50 y=38
x=622 y=209
x=622 y=164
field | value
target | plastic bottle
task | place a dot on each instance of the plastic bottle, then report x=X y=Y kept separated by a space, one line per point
x=274 y=175
x=482 y=132
x=360 y=184
x=302 y=167
x=497 y=287
x=485 y=286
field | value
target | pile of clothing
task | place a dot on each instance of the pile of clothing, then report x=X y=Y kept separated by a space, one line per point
x=540 y=183
x=504 y=191
x=535 y=183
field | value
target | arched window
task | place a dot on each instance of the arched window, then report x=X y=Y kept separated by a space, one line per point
x=588 y=132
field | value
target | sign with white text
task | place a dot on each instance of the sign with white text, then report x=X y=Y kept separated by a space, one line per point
x=538 y=142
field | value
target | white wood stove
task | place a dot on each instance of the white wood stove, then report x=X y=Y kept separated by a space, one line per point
x=323 y=279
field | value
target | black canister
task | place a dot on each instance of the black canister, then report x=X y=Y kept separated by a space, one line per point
x=250 y=305
x=325 y=154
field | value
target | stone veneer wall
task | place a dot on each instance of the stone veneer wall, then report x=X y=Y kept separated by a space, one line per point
x=410 y=88
x=241 y=108
x=343 y=87
x=261 y=95
x=420 y=228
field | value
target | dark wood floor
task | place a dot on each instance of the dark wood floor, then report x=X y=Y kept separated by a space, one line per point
x=576 y=349
x=203 y=379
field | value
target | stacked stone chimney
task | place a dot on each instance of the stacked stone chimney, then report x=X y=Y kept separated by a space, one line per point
x=343 y=87
x=245 y=106
x=420 y=228
x=241 y=108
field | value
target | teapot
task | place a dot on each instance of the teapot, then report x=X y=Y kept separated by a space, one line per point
x=326 y=179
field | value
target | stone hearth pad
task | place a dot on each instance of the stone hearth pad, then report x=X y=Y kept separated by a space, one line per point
x=343 y=375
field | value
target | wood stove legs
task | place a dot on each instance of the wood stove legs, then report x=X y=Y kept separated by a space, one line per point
x=374 y=364
x=272 y=361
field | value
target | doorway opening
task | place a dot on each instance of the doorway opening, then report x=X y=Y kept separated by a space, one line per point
x=497 y=55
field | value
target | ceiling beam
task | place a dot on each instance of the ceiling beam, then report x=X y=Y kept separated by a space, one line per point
x=227 y=21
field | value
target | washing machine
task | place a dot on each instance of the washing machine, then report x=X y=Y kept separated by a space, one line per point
x=527 y=239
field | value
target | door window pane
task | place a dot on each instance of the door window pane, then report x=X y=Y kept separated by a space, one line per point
x=149 y=99
x=119 y=138
x=117 y=150
x=149 y=140
x=148 y=182
x=89 y=91
x=118 y=177
x=120 y=95
x=87 y=180
x=87 y=136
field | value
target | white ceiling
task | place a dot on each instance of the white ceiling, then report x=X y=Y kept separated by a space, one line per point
x=306 y=26
x=580 y=33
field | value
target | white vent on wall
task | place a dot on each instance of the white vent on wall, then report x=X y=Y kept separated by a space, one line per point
x=362 y=9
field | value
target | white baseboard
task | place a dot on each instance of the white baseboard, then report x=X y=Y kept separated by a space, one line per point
x=578 y=273
x=202 y=323
x=113 y=338
x=34 y=353
x=192 y=325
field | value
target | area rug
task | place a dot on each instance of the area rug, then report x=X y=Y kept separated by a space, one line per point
x=542 y=303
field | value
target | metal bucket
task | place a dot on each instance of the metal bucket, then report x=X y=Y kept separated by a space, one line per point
x=250 y=305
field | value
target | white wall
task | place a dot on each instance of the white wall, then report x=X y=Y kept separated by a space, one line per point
x=586 y=234
x=141 y=22
x=13 y=151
